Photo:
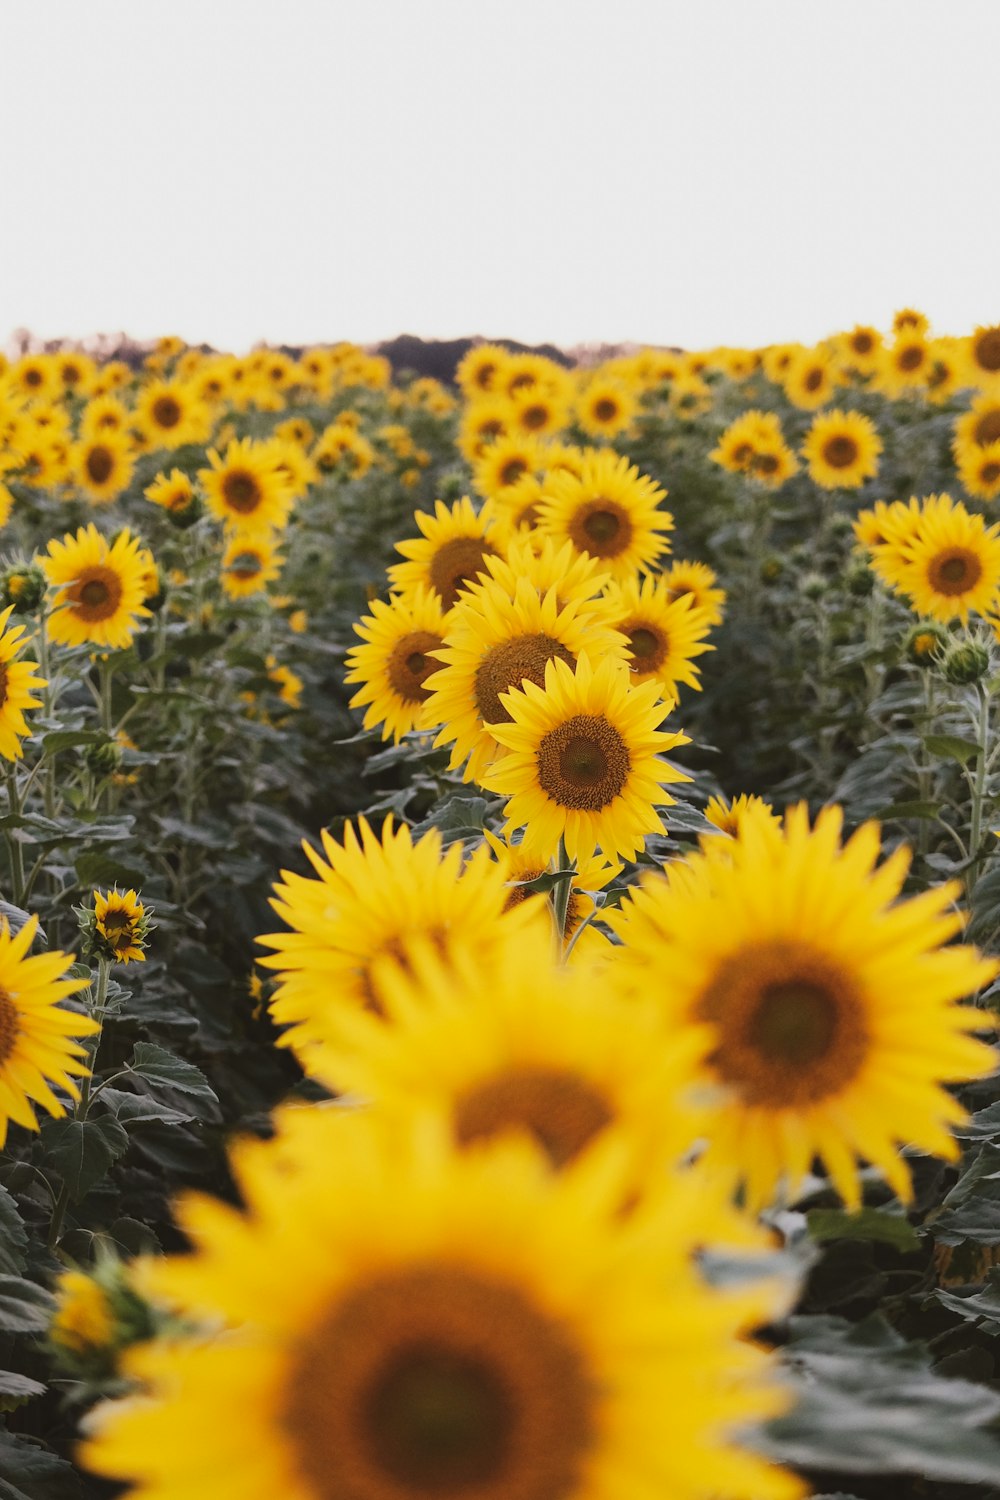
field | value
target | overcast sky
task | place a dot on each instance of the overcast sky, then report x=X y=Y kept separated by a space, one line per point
x=671 y=171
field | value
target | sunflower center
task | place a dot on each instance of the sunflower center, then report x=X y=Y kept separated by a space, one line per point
x=990 y=473
x=117 y=926
x=411 y=663
x=563 y=1112
x=435 y=1381
x=840 y=451
x=955 y=571
x=862 y=343
x=988 y=350
x=647 y=647
x=911 y=358
x=241 y=491
x=791 y=1025
x=605 y=410
x=100 y=463
x=534 y=417
x=507 y=665
x=96 y=594
x=601 y=527
x=765 y=463
x=245 y=566
x=3 y=681
x=33 y=377
x=813 y=380
x=583 y=763
x=455 y=562
x=484 y=376
x=512 y=471
x=987 y=429
x=9 y=1026
x=166 y=411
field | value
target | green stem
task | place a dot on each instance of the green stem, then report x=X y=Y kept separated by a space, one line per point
x=979 y=785
x=13 y=842
x=83 y=1103
x=560 y=897
x=106 y=673
x=925 y=772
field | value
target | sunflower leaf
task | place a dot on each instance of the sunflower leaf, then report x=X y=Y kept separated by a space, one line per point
x=952 y=747
x=24 y=1307
x=13 y=1236
x=81 y=1151
x=868 y=1224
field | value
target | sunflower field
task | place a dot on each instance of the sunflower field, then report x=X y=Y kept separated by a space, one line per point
x=500 y=924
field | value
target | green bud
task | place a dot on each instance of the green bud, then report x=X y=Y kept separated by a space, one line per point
x=925 y=643
x=771 y=569
x=860 y=580
x=813 y=585
x=966 y=663
x=103 y=757
x=23 y=585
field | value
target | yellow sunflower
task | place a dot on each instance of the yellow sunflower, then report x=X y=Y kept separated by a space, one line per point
x=611 y=512
x=515 y=514
x=842 y=449
x=984 y=356
x=948 y=565
x=905 y=365
x=947 y=372
x=539 y=413
x=102 y=466
x=244 y=489
x=446 y=1322
x=981 y=423
x=744 y=437
x=451 y=551
x=860 y=349
x=100 y=589
x=520 y=866
x=910 y=320
x=121 y=920
x=173 y=414
x=482 y=423
x=833 y=1002
x=37 y=1037
x=102 y=415
x=605 y=408
x=979 y=470
x=34 y=375
x=173 y=491
x=496 y=641
x=811 y=379
x=583 y=760
x=505 y=463
x=75 y=372
x=401 y=640
x=250 y=562
x=728 y=816
x=889 y=524
x=17 y=683
x=373 y=896
x=698 y=580
x=548 y=564
x=481 y=371
x=664 y=633
x=773 y=463
x=341 y=447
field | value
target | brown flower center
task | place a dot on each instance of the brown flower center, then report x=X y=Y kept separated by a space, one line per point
x=791 y=1025
x=583 y=763
x=814 y=379
x=411 y=663
x=605 y=410
x=10 y=1025
x=601 y=527
x=166 y=412
x=535 y=417
x=648 y=648
x=765 y=463
x=562 y=1111
x=246 y=566
x=433 y=1381
x=840 y=451
x=117 y=928
x=990 y=473
x=96 y=594
x=507 y=665
x=987 y=429
x=484 y=376
x=911 y=358
x=4 y=677
x=100 y=464
x=956 y=570
x=987 y=350
x=512 y=471
x=241 y=491
x=455 y=562
x=862 y=343
x=33 y=376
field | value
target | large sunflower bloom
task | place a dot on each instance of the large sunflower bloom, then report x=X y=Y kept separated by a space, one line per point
x=949 y=564
x=402 y=638
x=244 y=488
x=833 y=1002
x=451 y=551
x=699 y=581
x=17 y=683
x=497 y=641
x=842 y=449
x=37 y=1037
x=582 y=763
x=101 y=589
x=444 y=1323
x=664 y=633
x=611 y=512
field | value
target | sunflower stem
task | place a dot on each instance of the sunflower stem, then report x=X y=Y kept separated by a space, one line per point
x=83 y=1103
x=13 y=842
x=560 y=898
x=48 y=705
x=979 y=785
x=106 y=674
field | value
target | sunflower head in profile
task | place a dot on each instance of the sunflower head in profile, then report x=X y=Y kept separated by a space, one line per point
x=979 y=470
x=665 y=634
x=244 y=489
x=451 y=551
x=909 y=320
x=17 y=684
x=948 y=565
x=842 y=449
x=814 y=975
x=100 y=589
x=582 y=763
x=701 y=582
x=250 y=562
x=175 y=493
x=102 y=466
x=39 y=1043
x=611 y=512
x=401 y=640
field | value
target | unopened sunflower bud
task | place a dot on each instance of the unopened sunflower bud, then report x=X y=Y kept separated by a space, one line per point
x=925 y=643
x=813 y=585
x=97 y=1315
x=966 y=663
x=103 y=758
x=771 y=569
x=860 y=580
x=23 y=586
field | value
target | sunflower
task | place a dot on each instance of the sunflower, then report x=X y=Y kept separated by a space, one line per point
x=75 y=373
x=698 y=580
x=373 y=897
x=947 y=373
x=497 y=641
x=582 y=763
x=288 y=683
x=539 y=413
x=340 y=447
x=452 y=550
x=515 y=514
x=744 y=437
x=860 y=349
x=174 y=492
x=173 y=414
x=948 y=565
x=842 y=449
x=980 y=424
x=984 y=355
x=773 y=463
x=37 y=1046
x=537 y=1048
x=249 y=563
x=905 y=365
x=244 y=489
x=102 y=466
x=910 y=320
x=102 y=415
x=401 y=640
x=521 y=866
x=664 y=633
x=34 y=376
x=832 y=1002
x=811 y=378
x=548 y=564
x=482 y=423
x=605 y=408
x=100 y=589
x=979 y=471
x=728 y=817
x=890 y=524
x=447 y=1322
x=121 y=920
x=17 y=683
x=482 y=369
x=612 y=513
x=505 y=463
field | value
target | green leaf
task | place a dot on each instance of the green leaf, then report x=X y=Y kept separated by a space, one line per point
x=13 y=1236
x=24 y=1307
x=12 y=1384
x=908 y=810
x=952 y=747
x=81 y=1151
x=977 y=1306
x=96 y=869
x=971 y=1211
x=867 y=1224
x=66 y=739
x=133 y=1109
x=157 y=1066
x=30 y=1472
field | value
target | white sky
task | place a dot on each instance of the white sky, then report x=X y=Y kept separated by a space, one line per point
x=670 y=171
